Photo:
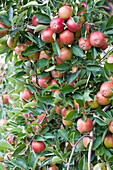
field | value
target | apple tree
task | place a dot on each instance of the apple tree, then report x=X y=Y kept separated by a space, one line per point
x=56 y=84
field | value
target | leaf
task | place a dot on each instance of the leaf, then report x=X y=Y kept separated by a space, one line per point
x=56 y=48
x=20 y=74
x=4 y=49
x=30 y=104
x=20 y=17
x=53 y=86
x=109 y=66
x=72 y=77
x=93 y=68
x=40 y=27
x=56 y=159
x=100 y=121
x=30 y=50
x=81 y=82
x=42 y=62
x=63 y=134
x=110 y=22
x=4 y=145
x=19 y=149
x=31 y=159
x=76 y=19
x=110 y=159
x=2 y=166
x=103 y=114
x=31 y=88
x=97 y=142
x=63 y=67
x=77 y=51
x=44 y=16
x=10 y=14
x=20 y=162
x=46 y=99
x=81 y=162
x=5 y=20
x=71 y=115
x=67 y=89
x=9 y=56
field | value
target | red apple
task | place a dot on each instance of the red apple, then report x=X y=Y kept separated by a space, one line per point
x=25 y=94
x=53 y=168
x=57 y=25
x=44 y=55
x=67 y=37
x=108 y=142
x=72 y=83
x=58 y=60
x=11 y=43
x=47 y=35
x=97 y=39
x=84 y=44
x=105 y=45
x=66 y=54
x=110 y=59
x=38 y=146
x=65 y=12
x=105 y=89
x=29 y=29
x=87 y=27
x=102 y=100
x=3 y=32
x=111 y=126
x=64 y=112
x=41 y=117
x=20 y=48
x=57 y=109
x=84 y=126
x=55 y=74
x=57 y=92
x=72 y=26
x=5 y=99
x=34 y=20
x=86 y=141
x=43 y=82
x=98 y=167
x=59 y=43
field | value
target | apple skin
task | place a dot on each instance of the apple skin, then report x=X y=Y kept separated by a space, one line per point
x=3 y=32
x=102 y=100
x=66 y=54
x=108 y=142
x=53 y=168
x=19 y=49
x=57 y=109
x=72 y=26
x=5 y=99
x=65 y=111
x=42 y=158
x=110 y=59
x=47 y=35
x=87 y=27
x=34 y=56
x=57 y=92
x=105 y=89
x=67 y=123
x=94 y=104
x=74 y=69
x=76 y=105
x=111 y=126
x=40 y=117
x=84 y=126
x=105 y=45
x=97 y=39
x=34 y=20
x=25 y=94
x=11 y=43
x=59 y=43
x=43 y=82
x=65 y=12
x=44 y=55
x=29 y=29
x=85 y=44
x=57 y=25
x=67 y=37
x=38 y=146
x=55 y=74
x=98 y=167
x=58 y=60
x=86 y=141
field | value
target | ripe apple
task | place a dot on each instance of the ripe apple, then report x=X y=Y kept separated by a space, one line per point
x=41 y=117
x=111 y=126
x=105 y=89
x=110 y=59
x=65 y=12
x=11 y=43
x=86 y=141
x=47 y=35
x=57 y=109
x=57 y=25
x=85 y=44
x=58 y=60
x=111 y=78
x=3 y=32
x=5 y=99
x=66 y=54
x=98 y=167
x=20 y=48
x=108 y=142
x=59 y=43
x=57 y=92
x=53 y=168
x=25 y=94
x=102 y=100
x=84 y=126
x=44 y=55
x=43 y=82
x=34 y=20
x=97 y=39
x=67 y=123
x=3 y=121
x=105 y=45
x=94 y=104
x=72 y=26
x=34 y=56
x=38 y=146
x=55 y=74
x=67 y=37
x=65 y=111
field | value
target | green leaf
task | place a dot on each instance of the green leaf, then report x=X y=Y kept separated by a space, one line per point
x=39 y=138
x=81 y=162
x=30 y=50
x=110 y=159
x=76 y=19
x=67 y=89
x=63 y=67
x=40 y=28
x=109 y=66
x=9 y=56
x=93 y=68
x=53 y=86
x=103 y=114
x=31 y=159
x=110 y=22
x=71 y=115
x=4 y=49
x=42 y=62
x=44 y=16
x=21 y=16
x=10 y=13
x=46 y=99
x=19 y=149
x=81 y=82
x=30 y=104
x=100 y=121
x=4 y=145
x=20 y=162
x=31 y=88
x=56 y=159
x=56 y=48
x=5 y=20
x=63 y=134
x=97 y=142
x=20 y=74
x=76 y=50
x=72 y=77
x=49 y=136
x=2 y=166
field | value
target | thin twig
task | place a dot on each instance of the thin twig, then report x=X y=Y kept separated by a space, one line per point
x=106 y=54
x=104 y=7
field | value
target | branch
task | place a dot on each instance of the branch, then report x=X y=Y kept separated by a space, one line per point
x=104 y=7
x=106 y=54
x=74 y=149
x=47 y=112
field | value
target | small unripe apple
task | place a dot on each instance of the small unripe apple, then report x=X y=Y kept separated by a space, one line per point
x=97 y=39
x=98 y=167
x=108 y=142
x=105 y=89
x=110 y=59
x=34 y=20
x=66 y=54
x=86 y=141
x=105 y=45
x=47 y=35
x=57 y=25
x=72 y=26
x=111 y=126
x=67 y=37
x=65 y=12
x=38 y=146
x=44 y=55
x=11 y=43
x=84 y=44
x=84 y=126
x=102 y=100
x=25 y=94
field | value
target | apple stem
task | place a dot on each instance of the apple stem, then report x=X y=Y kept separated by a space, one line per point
x=106 y=54
x=74 y=146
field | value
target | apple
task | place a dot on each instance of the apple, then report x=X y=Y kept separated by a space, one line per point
x=34 y=56
x=34 y=20
x=76 y=105
x=38 y=146
x=57 y=92
x=43 y=82
x=53 y=168
x=53 y=82
x=35 y=102
x=19 y=49
x=72 y=26
x=65 y=111
x=105 y=89
x=47 y=35
x=84 y=126
x=41 y=117
x=111 y=78
x=65 y=12
x=105 y=45
x=86 y=141
x=29 y=29
x=44 y=55
x=110 y=59
x=98 y=167
x=55 y=74
x=11 y=43
x=111 y=126
x=102 y=100
x=5 y=99
x=3 y=32
x=108 y=142
x=57 y=25
x=74 y=69
x=25 y=94
x=85 y=44
x=72 y=83
x=94 y=104
x=28 y=43
x=58 y=60
x=97 y=39
x=67 y=37
x=59 y=42
x=87 y=27
x=25 y=115
x=57 y=109
x=66 y=54
x=67 y=123
x=3 y=121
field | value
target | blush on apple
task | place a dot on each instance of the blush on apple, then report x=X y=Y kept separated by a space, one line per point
x=84 y=126
x=57 y=25
x=67 y=37
x=47 y=35
x=72 y=26
x=97 y=39
x=34 y=20
x=85 y=44
x=65 y=12
x=38 y=146
x=25 y=94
